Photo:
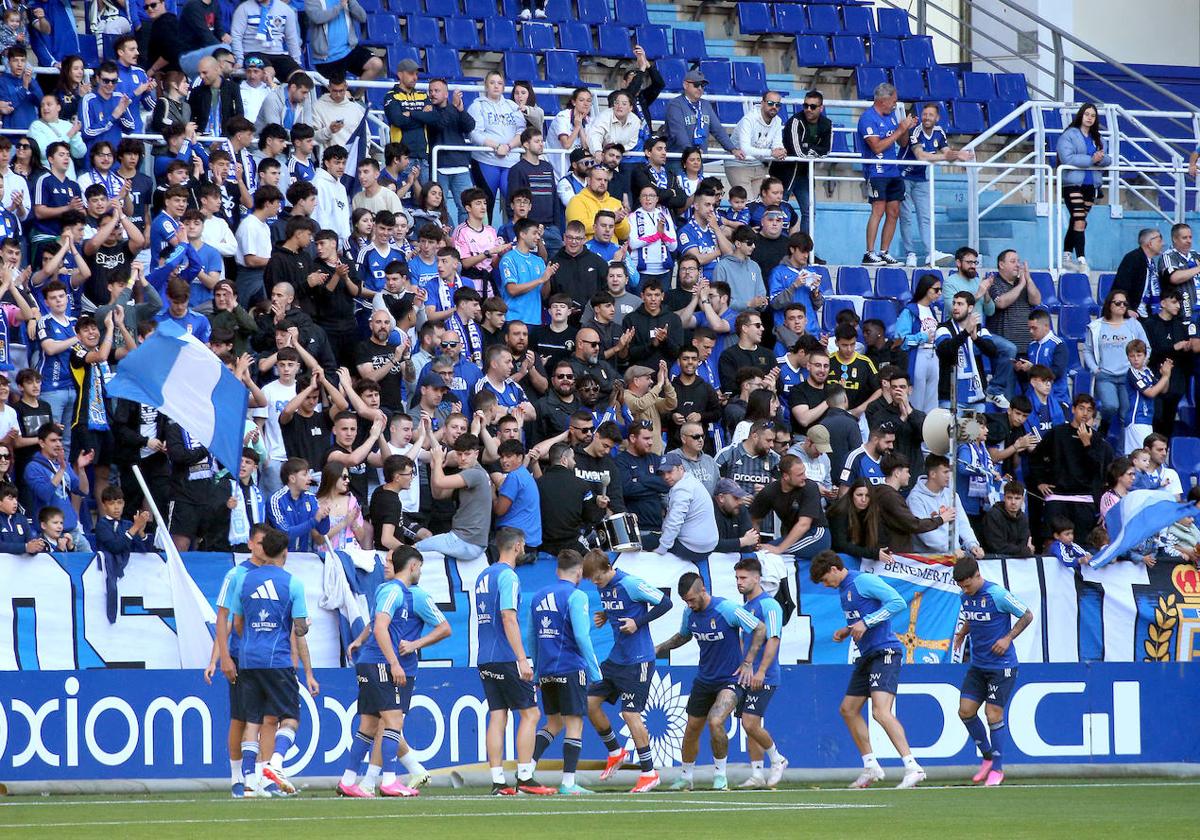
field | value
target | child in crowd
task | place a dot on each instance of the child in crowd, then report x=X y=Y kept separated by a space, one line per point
x=1143 y=387
x=50 y=526
x=1143 y=480
x=1064 y=547
x=737 y=213
x=1047 y=411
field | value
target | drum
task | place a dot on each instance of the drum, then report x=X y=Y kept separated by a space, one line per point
x=621 y=532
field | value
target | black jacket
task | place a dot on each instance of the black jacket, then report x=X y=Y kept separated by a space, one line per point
x=553 y=415
x=286 y=266
x=802 y=138
x=568 y=506
x=1063 y=461
x=1003 y=535
x=672 y=197
x=643 y=89
x=734 y=358
x=1162 y=336
x=603 y=476
x=698 y=397
x=731 y=529
x=947 y=353
x=230 y=102
x=579 y=276
x=641 y=350
x=1131 y=277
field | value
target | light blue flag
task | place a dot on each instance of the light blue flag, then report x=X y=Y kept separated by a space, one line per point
x=176 y=373
x=1138 y=516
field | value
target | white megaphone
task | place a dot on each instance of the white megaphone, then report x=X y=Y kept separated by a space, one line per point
x=937 y=431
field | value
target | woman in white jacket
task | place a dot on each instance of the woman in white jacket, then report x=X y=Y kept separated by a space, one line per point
x=498 y=125
x=652 y=237
x=616 y=125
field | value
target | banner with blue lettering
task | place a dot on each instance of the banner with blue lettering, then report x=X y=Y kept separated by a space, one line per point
x=52 y=608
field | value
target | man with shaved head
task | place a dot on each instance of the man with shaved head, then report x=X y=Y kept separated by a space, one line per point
x=587 y=360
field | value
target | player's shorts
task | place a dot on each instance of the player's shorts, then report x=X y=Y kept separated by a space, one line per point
x=754 y=702
x=877 y=671
x=628 y=683
x=885 y=189
x=504 y=688
x=565 y=694
x=376 y=691
x=269 y=692
x=704 y=696
x=991 y=687
x=236 y=709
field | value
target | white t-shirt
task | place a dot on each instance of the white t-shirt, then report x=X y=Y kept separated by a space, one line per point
x=278 y=396
x=253 y=237
x=8 y=420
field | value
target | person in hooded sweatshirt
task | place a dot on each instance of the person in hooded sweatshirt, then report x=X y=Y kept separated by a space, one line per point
x=932 y=494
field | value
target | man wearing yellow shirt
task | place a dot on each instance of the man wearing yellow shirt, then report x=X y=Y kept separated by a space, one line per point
x=584 y=206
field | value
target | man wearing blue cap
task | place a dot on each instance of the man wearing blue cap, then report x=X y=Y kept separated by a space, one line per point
x=689 y=530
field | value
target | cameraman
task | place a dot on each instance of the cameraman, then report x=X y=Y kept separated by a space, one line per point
x=387 y=511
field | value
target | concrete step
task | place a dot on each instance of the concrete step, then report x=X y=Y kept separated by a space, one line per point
x=1003 y=212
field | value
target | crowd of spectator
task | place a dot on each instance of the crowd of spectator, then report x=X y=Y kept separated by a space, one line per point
x=443 y=342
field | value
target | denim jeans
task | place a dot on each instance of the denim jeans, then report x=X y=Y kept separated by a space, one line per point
x=1003 y=381
x=450 y=545
x=1113 y=397
x=799 y=192
x=914 y=219
x=452 y=187
x=61 y=402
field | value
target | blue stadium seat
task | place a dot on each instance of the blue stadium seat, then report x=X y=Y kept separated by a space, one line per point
x=942 y=84
x=894 y=284
x=407 y=7
x=372 y=7
x=823 y=20
x=397 y=52
x=826 y=280
x=893 y=22
x=443 y=61
x=719 y=73
x=562 y=68
x=423 y=31
x=921 y=272
x=594 y=11
x=442 y=8
x=858 y=20
x=866 y=78
x=483 y=10
x=1075 y=290
x=559 y=10
x=750 y=76
x=885 y=310
x=382 y=29
x=521 y=65
x=843 y=143
x=573 y=35
x=729 y=112
x=791 y=18
x=1185 y=458
x=690 y=44
x=755 y=18
x=672 y=70
x=538 y=37
x=833 y=305
x=614 y=40
x=1045 y=284
x=1073 y=321
x=1012 y=86
x=632 y=12
x=848 y=51
x=812 y=51
x=1105 y=285
x=885 y=52
x=462 y=33
x=1081 y=382
x=910 y=83
x=500 y=35
x=998 y=110
x=655 y=40
x=978 y=87
x=918 y=52
x=1074 y=362
x=854 y=280
x=966 y=118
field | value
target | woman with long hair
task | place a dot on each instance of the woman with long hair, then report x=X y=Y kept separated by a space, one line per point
x=498 y=125
x=1119 y=481
x=691 y=160
x=761 y=405
x=1104 y=343
x=362 y=223
x=916 y=326
x=172 y=107
x=854 y=526
x=432 y=209
x=1080 y=145
x=27 y=160
x=346 y=526
x=526 y=100
x=569 y=128
x=72 y=86
x=616 y=125
x=50 y=127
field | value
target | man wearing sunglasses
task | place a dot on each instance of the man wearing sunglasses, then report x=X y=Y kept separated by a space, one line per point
x=691 y=119
x=759 y=134
x=807 y=133
x=105 y=112
x=555 y=409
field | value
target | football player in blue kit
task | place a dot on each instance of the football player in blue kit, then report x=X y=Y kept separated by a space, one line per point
x=387 y=673
x=987 y=613
x=869 y=604
x=754 y=699
x=560 y=637
x=714 y=623
x=628 y=604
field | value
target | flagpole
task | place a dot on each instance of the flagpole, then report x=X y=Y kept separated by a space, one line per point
x=160 y=524
x=952 y=545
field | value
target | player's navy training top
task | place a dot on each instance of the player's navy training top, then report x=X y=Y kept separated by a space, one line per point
x=715 y=629
x=627 y=596
x=271 y=600
x=560 y=635
x=496 y=589
x=410 y=609
x=767 y=610
x=231 y=592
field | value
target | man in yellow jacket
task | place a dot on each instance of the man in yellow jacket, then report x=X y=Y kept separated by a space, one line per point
x=587 y=202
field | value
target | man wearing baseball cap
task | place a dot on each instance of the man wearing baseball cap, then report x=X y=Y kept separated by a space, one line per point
x=735 y=531
x=691 y=119
x=406 y=114
x=649 y=402
x=813 y=450
x=689 y=529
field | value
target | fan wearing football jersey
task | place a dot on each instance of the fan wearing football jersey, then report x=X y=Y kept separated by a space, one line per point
x=986 y=618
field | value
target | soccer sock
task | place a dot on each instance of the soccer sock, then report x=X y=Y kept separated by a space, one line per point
x=719 y=764
x=910 y=763
x=283 y=742
x=572 y=747
x=358 y=753
x=235 y=771
x=391 y=755
x=687 y=770
x=373 y=771
x=525 y=771
x=249 y=754
x=773 y=754
x=869 y=761
x=646 y=759
x=999 y=736
x=409 y=760
x=979 y=734
x=540 y=743
x=756 y=768
x=497 y=775
x=610 y=741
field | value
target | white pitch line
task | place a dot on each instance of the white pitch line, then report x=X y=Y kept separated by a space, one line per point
x=731 y=808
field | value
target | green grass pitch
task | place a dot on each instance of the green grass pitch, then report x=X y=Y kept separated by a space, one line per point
x=1107 y=809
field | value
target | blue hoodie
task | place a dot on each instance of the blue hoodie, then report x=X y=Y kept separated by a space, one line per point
x=24 y=100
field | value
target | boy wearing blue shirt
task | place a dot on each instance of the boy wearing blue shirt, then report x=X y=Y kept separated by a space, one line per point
x=628 y=604
x=387 y=673
x=724 y=668
x=1064 y=547
x=560 y=637
x=1143 y=388
x=270 y=607
x=518 y=502
x=752 y=705
x=987 y=611
x=294 y=510
x=880 y=133
x=869 y=604
x=523 y=274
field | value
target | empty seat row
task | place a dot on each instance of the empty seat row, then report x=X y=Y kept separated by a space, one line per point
x=942 y=83
x=630 y=12
x=821 y=19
